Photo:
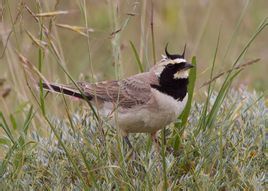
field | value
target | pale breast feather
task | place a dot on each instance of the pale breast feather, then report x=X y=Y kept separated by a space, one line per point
x=168 y=104
x=152 y=117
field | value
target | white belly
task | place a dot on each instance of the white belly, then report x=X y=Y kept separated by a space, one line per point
x=151 y=117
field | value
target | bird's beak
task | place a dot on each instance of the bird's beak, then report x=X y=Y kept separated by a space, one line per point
x=187 y=66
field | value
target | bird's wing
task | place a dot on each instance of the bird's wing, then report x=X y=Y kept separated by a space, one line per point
x=126 y=93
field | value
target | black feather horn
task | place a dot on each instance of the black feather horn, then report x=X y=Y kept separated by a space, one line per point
x=183 y=53
x=167 y=54
x=174 y=56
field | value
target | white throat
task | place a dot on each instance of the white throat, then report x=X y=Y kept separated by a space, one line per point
x=181 y=74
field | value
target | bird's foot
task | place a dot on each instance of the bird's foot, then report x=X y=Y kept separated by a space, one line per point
x=156 y=142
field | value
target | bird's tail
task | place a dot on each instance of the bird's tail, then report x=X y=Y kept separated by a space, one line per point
x=60 y=88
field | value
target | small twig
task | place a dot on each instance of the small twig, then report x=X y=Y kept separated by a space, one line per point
x=131 y=14
x=80 y=30
x=242 y=66
x=51 y=14
x=31 y=13
x=5 y=92
x=115 y=32
x=36 y=19
x=2 y=81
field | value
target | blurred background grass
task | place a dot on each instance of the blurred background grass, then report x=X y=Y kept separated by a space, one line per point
x=178 y=22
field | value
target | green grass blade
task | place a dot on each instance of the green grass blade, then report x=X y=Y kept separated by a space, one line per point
x=5 y=141
x=6 y=160
x=5 y=127
x=17 y=162
x=164 y=165
x=40 y=64
x=138 y=61
x=219 y=100
x=202 y=120
x=89 y=170
x=28 y=120
x=13 y=121
x=192 y=78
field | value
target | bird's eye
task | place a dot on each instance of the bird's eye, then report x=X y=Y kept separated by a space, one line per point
x=169 y=66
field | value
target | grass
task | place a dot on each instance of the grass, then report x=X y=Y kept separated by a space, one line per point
x=47 y=143
x=228 y=156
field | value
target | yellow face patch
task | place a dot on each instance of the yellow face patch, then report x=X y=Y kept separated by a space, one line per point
x=181 y=74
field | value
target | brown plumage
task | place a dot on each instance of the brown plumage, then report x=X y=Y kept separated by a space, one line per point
x=127 y=93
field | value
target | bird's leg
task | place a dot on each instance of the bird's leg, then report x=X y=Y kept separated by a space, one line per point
x=165 y=136
x=155 y=141
x=128 y=142
x=131 y=153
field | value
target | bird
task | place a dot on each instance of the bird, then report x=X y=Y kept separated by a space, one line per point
x=143 y=103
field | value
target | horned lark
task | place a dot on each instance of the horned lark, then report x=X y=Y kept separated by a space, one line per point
x=143 y=103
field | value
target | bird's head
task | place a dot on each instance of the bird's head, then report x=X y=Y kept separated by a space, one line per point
x=172 y=66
